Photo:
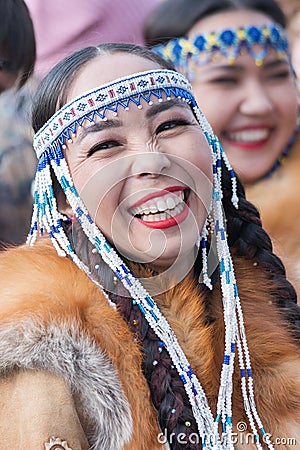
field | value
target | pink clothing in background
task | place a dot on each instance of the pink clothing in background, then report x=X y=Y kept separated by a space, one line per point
x=63 y=26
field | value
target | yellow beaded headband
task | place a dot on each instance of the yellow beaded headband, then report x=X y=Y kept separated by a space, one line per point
x=255 y=40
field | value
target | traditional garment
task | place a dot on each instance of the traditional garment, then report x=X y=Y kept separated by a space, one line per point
x=71 y=367
x=278 y=202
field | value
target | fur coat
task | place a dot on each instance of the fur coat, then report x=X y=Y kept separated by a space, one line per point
x=70 y=368
x=277 y=199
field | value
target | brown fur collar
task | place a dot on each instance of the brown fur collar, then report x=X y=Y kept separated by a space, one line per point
x=277 y=199
x=39 y=285
x=275 y=357
x=62 y=292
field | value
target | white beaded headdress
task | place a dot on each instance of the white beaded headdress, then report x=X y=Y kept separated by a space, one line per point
x=49 y=143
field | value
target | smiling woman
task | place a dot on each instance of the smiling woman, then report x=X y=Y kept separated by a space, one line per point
x=131 y=317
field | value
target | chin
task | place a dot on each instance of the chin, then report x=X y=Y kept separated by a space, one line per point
x=249 y=178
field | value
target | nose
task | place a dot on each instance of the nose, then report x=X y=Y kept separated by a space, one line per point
x=256 y=100
x=150 y=164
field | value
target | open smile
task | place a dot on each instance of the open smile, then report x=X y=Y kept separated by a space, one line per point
x=165 y=210
x=248 y=139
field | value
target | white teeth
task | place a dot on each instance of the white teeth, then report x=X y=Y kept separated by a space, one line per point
x=165 y=207
x=250 y=135
x=163 y=216
x=161 y=205
x=170 y=203
x=153 y=209
x=176 y=211
x=164 y=204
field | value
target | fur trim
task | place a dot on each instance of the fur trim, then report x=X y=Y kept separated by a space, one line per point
x=64 y=295
x=63 y=350
x=277 y=200
x=51 y=289
x=197 y=319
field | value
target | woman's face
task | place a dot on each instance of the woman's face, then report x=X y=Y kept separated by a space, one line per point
x=252 y=109
x=144 y=174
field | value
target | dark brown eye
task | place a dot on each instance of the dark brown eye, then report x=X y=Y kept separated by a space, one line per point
x=103 y=146
x=170 y=125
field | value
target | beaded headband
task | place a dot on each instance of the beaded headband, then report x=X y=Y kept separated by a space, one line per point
x=109 y=97
x=230 y=43
x=158 y=85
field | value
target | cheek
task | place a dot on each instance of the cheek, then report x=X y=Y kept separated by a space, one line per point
x=209 y=101
x=199 y=155
x=199 y=166
x=203 y=190
x=106 y=213
x=288 y=105
x=98 y=185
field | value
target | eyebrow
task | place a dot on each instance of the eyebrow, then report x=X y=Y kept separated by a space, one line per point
x=164 y=106
x=275 y=63
x=239 y=68
x=98 y=126
x=116 y=123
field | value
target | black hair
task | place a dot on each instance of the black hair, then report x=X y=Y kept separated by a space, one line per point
x=246 y=237
x=174 y=18
x=17 y=39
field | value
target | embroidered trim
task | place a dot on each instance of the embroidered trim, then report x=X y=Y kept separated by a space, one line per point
x=230 y=43
x=109 y=97
x=56 y=444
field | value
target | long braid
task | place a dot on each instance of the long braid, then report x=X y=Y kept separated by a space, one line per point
x=166 y=388
x=248 y=239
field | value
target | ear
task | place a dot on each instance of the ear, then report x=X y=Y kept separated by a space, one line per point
x=63 y=204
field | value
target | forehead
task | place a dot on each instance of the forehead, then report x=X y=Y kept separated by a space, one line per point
x=229 y=19
x=108 y=67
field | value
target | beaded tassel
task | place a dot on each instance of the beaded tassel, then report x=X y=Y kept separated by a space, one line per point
x=203 y=245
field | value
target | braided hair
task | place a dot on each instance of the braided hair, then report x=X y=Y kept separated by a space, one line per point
x=248 y=238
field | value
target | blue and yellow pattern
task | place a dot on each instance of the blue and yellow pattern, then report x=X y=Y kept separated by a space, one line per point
x=230 y=43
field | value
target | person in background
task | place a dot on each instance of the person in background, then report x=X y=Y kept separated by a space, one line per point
x=17 y=161
x=116 y=332
x=236 y=55
x=61 y=29
x=291 y=9
x=17 y=44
